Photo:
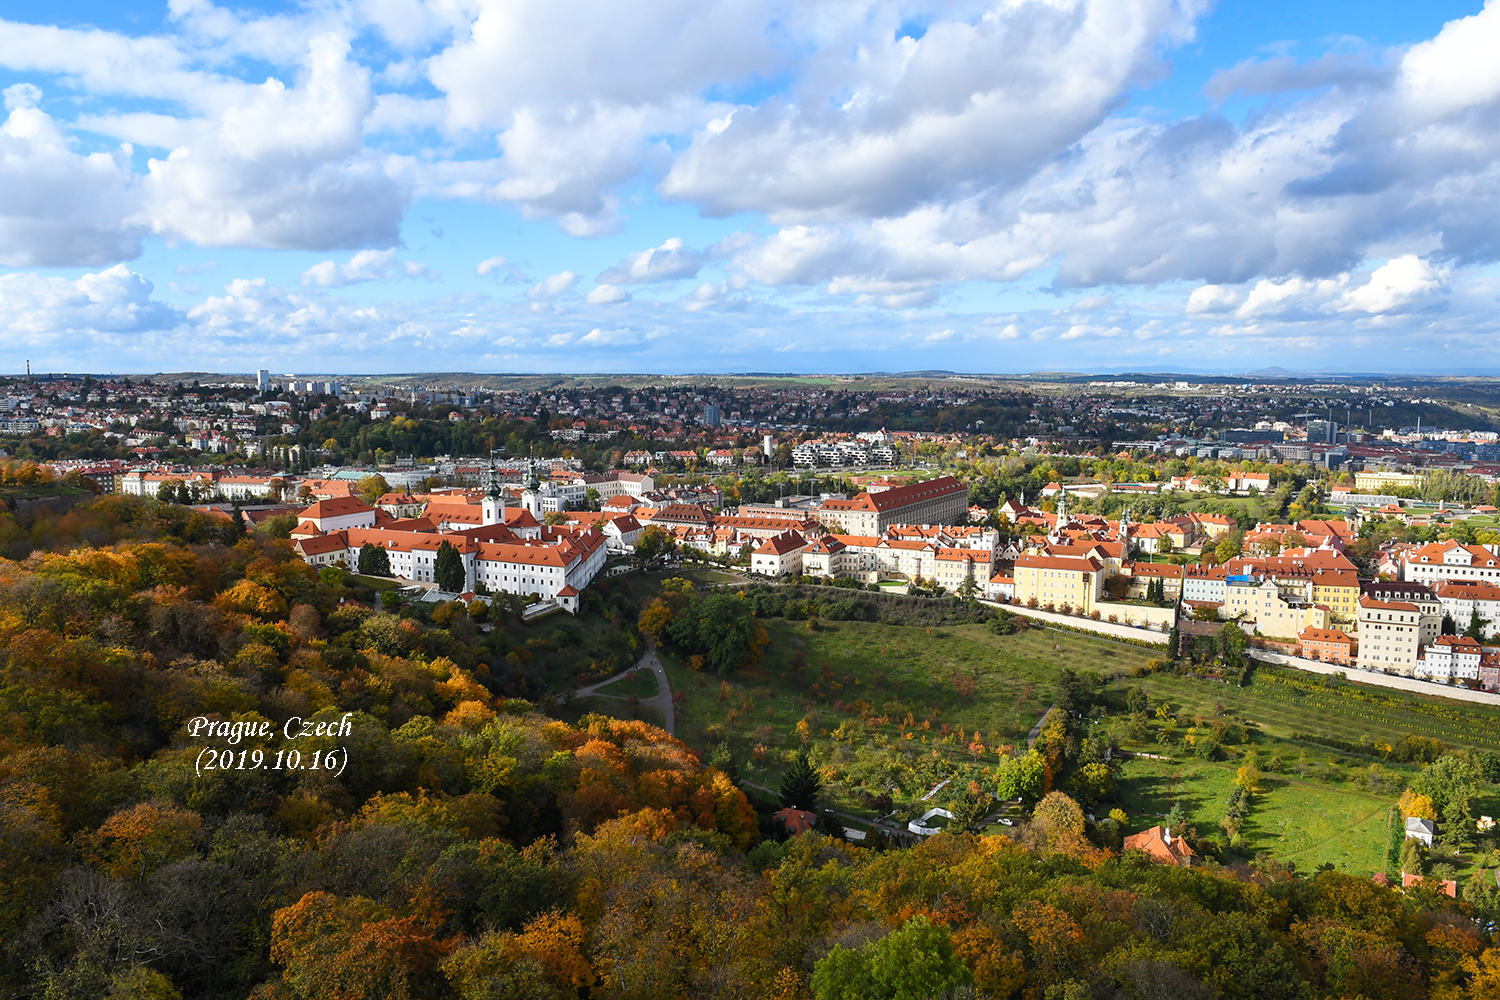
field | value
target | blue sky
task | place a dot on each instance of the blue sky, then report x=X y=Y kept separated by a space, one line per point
x=673 y=186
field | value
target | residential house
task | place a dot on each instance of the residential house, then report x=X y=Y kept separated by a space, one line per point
x=1329 y=645
x=1159 y=843
x=1452 y=659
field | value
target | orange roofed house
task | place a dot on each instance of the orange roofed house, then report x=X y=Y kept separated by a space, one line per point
x=1330 y=645
x=1161 y=845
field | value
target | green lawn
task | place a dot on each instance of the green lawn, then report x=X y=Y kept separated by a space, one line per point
x=1294 y=820
x=904 y=675
x=376 y=583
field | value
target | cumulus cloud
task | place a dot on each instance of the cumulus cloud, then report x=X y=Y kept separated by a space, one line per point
x=367 y=265
x=116 y=300
x=884 y=123
x=1406 y=281
x=607 y=295
x=281 y=167
x=550 y=288
x=668 y=262
x=59 y=207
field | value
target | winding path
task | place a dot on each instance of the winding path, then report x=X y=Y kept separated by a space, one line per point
x=663 y=699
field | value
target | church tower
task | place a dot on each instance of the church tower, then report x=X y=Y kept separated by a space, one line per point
x=532 y=498
x=494 y=499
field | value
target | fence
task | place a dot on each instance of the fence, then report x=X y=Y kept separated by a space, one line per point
x=1154 y=636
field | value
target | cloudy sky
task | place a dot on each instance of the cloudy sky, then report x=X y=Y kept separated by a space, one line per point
x=750 y=185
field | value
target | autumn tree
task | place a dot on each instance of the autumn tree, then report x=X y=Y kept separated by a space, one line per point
x=371 y=488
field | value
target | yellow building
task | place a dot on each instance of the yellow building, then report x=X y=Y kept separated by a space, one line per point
x=1277 y=614
x=1384 y=482
x=1059 y=580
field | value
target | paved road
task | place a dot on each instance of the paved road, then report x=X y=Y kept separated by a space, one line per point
x=663 y=699
x=1036 y=730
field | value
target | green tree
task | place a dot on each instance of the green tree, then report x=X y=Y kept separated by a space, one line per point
x=655 y=541
x=801 y=785
x=916 y=962
x=1451 y=782
x=448 y=569
x=374 y=560
x=1023 y=777
x=1475 y=630
x=1413 y=857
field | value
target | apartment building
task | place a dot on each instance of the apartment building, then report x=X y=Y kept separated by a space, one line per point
x=1461 y=598
x=1275 y=610
x=1390 y=635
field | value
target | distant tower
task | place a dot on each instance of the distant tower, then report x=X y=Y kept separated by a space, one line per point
x=494 y=498
x=1125 y=533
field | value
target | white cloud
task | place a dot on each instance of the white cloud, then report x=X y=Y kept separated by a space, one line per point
x=36 y=308
x=280 y=167
x=1212 y=298
x=599 y=337
x=607 y=295
x=1395 y=286
x=367 y=265
x=668 y=262
x=58 y=207
x=550 y=288
x=881 y=124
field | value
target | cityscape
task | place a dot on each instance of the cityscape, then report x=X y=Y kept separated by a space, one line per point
x=749 y=501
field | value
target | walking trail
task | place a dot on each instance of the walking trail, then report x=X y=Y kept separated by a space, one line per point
x=663 y=699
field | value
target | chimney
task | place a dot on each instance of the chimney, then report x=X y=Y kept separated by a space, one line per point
x=1167 y=835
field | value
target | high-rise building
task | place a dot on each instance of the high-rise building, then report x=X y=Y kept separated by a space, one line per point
x=263 y=379
x=711 y=415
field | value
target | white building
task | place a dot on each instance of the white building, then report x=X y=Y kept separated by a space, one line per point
x=779 y=556
x=337 y=514
x=1390 y=635
x=1452 y=658
x=1206 y=584
x=1461 y=598
x=1451 y=560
